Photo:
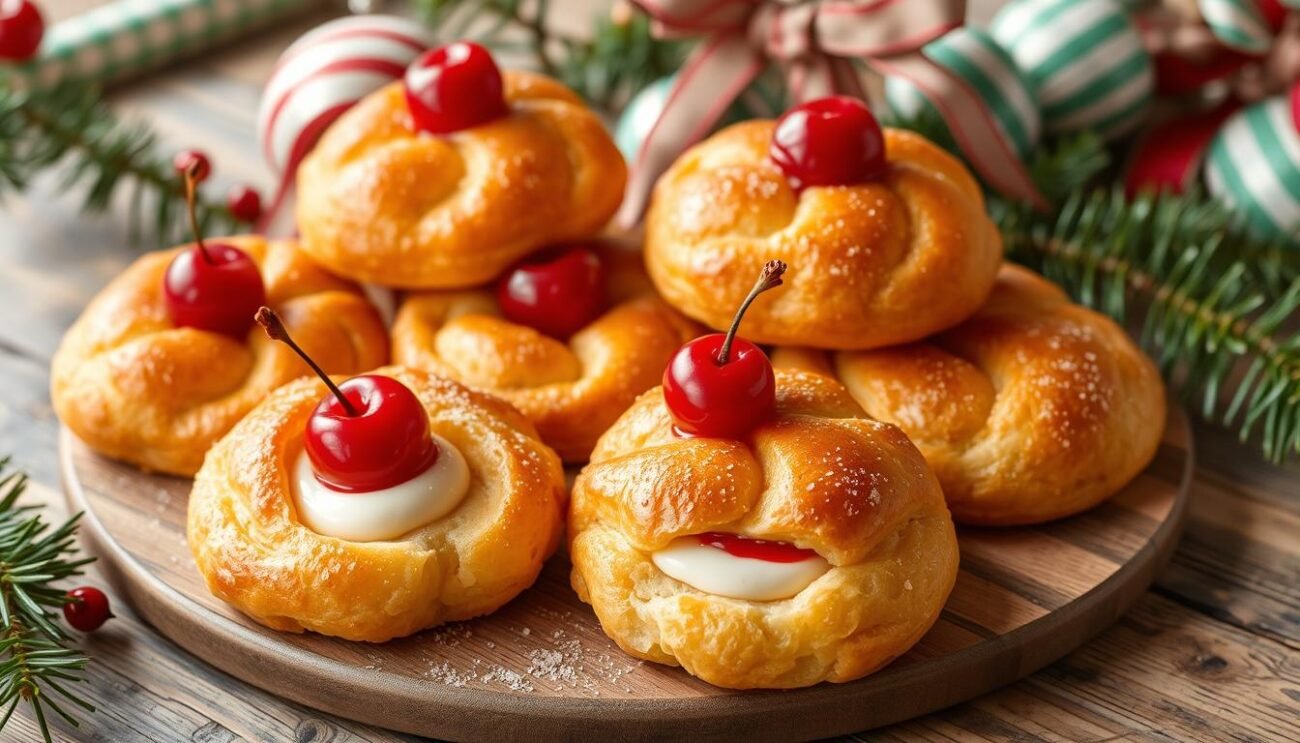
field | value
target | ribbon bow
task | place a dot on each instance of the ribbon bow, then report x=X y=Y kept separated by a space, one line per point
x=815 y=42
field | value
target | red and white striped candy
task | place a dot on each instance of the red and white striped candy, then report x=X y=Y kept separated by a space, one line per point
x=324 y=73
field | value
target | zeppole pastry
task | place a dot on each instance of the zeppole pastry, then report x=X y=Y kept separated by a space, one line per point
x=886 y=232
x=389 y=503
x=758 y=529
x=570 y=337
x=1034 y=409
x=445 y=179
x=165 y=359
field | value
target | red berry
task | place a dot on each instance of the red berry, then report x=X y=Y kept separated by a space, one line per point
x=185 y=160
x=719 y=385
x=455 y=87
x=831 y=141
x=21 y=30
x=88 y=609
x=383 y=441
x=556 y=293
x=216 y=287
x=244 y=203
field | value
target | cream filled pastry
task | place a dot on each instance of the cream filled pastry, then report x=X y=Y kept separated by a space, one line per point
x=740 y=568
x=395 y=501
x=386 y=513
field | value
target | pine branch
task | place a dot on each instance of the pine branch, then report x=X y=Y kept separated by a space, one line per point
x=70 y=127
x=1179 y=267
x=620 y=57
x=39 y=665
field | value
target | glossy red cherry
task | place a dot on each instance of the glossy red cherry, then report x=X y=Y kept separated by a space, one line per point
x=87 y=609
x=21 y=30
x=371 y=433
x=719 y=385
x=192 y=162
x=244 y=203
x=755 y=549
x=556 y=293
x=211 y=286
x=831 y=141
x=455 y=87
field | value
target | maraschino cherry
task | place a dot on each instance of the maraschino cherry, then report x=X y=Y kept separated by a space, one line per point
x=21 y=30
x=192 y=161
x=214 y=287
x=454 y=87
x=720 y=385
x=832 y=141
x=755 y=549
x=371 y=433
x=556 y=293
x=244 y=203
x=86 y=609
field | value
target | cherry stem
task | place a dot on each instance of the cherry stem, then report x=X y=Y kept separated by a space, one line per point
x=769 y=278
x=276 y=331
x=191 y=185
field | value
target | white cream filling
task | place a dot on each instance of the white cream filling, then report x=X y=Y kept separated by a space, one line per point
x=716 y=571
x=389 y=513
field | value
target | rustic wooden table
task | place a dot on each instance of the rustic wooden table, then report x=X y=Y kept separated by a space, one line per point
x=1212 y=652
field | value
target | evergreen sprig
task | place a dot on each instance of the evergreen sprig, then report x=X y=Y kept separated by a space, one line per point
x=1215 y=317
x=617 y=58
x=38 y=664
x=70 y=127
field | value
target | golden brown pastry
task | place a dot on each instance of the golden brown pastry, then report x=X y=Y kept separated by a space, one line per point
x=135 y=387
x=381 y=203
x=255 y=552
x=1034 y=409
x=874 y=264
x=820 y=476
x=573 y=389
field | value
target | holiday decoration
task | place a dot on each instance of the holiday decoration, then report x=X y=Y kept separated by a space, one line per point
x=1239 y=24
x=326 y=71
x=125 y=38
x=39 y=664
x=21 y=29
x=1169 y=155
x=759 y=100
x=1084 y=60
x=1254 y=166
x=815 y=44
x=973 y=56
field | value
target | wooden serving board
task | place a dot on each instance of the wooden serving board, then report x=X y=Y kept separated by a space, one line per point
x=542 y=669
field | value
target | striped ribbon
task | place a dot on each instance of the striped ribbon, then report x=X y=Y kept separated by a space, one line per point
x=1238 y=24
x=126 y=38
x=815 y=41
x=1254 y=166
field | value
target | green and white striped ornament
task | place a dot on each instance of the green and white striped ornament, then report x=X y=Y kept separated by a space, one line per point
x=974 y=57
x=1254 y=167
x=1238 y=24
x=1084 y=60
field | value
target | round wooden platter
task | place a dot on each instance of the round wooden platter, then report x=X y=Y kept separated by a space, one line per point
x=542 y=669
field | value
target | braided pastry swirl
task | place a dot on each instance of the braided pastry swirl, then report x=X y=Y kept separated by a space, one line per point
x=382 y=203
x=872 y=264
x=820 y=475
x=135 y=387
x=1033 y=409
x=254 y=551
